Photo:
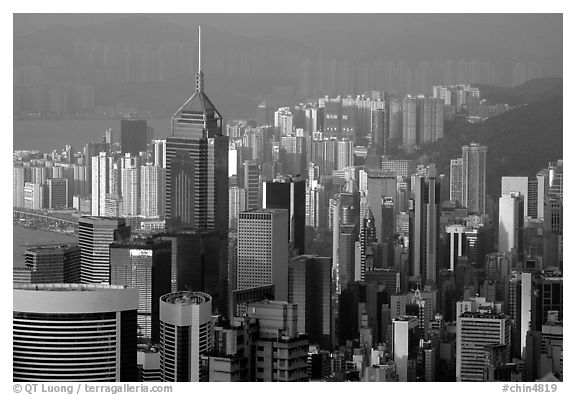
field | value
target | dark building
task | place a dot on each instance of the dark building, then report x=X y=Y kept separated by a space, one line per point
x=310 y=287
x=53 y=263
x=290 y=194
x=133 y=135
x=143 y=264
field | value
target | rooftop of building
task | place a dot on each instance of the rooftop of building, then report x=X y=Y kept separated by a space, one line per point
x=67 y=287
x=50 y=247
x=263 y=211
x=186 y=298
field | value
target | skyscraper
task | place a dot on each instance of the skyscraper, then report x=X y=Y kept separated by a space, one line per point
x=252 y=185
x=381 y=185
x=52 y=323
x=101 y=174
x=425 y=227
x=53 y=263
x=288 y=193
x=511 y=223
x=474 y=177
x=263 y=250
x=186 y=332
x=197 y=164
x=130 y=185
x=456 y=181
x=18 y=186
x=474 y=330
x=152 y=191
x=310 y=287
x=95 y=234
x=143 y=264
x=405 y=346
x=159 y=146
x=58 y=190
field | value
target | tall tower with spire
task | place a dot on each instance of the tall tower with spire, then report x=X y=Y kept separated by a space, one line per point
x=197 y=169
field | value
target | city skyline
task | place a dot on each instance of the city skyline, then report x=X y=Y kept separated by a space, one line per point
x=329 y=237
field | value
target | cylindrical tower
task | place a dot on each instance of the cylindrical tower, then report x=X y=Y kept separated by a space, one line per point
x=186 y=332
x=74 y=332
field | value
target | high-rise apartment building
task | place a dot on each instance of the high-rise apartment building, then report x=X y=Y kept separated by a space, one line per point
x=102 y=173
x=18 y=182
x=130 y=186
x=456 y=194
x=95 y=234
x=34 y=196
x=152 y=191
x=474 y=177
x=186 y=333
x=263 y=250
x=409 y=122
x=74 y=332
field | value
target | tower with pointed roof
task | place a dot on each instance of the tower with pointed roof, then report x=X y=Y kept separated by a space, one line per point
x=197 y=176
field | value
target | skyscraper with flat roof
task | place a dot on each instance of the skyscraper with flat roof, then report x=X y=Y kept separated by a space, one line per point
x=95 y=234
x=263 y=250
x=474 y=177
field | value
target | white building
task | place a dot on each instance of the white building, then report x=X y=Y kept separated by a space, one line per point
x=511 y=222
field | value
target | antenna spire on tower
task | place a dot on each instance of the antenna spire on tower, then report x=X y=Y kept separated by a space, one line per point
x=199 y=74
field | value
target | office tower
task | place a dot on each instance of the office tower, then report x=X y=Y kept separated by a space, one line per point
x=18 y=174
x=159 y=150
x=186 y=333
x=456 y=181
x=143 y=264
x=281 y=352
x=34 y=196
x=197 y=165
x=547 y=296
x=194 y=257
x=553 y=232
x=425 y=228
x=345 y=228
x=53 y=321
x=152 y=191
x=367 y=238
x=57 y=189
x=95 y=234
x=409 y=123
x=380 y=185
x=310 y=287
x=102 y=170
x=288 y=193
x=133 y=136
x=520 y=185
x=405 y=346
x=511 y=223
x=474 y=331
x=283 y=120
x=252 y=185
x=263 y=250
x=457 y=243
x=93 y=149
x=59 y=263
x=474 y=178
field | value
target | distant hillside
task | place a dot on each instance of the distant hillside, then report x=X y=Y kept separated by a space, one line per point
x=520 y=142
x=529 y=92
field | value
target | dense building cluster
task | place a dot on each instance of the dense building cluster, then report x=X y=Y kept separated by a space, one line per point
x=299 y=246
